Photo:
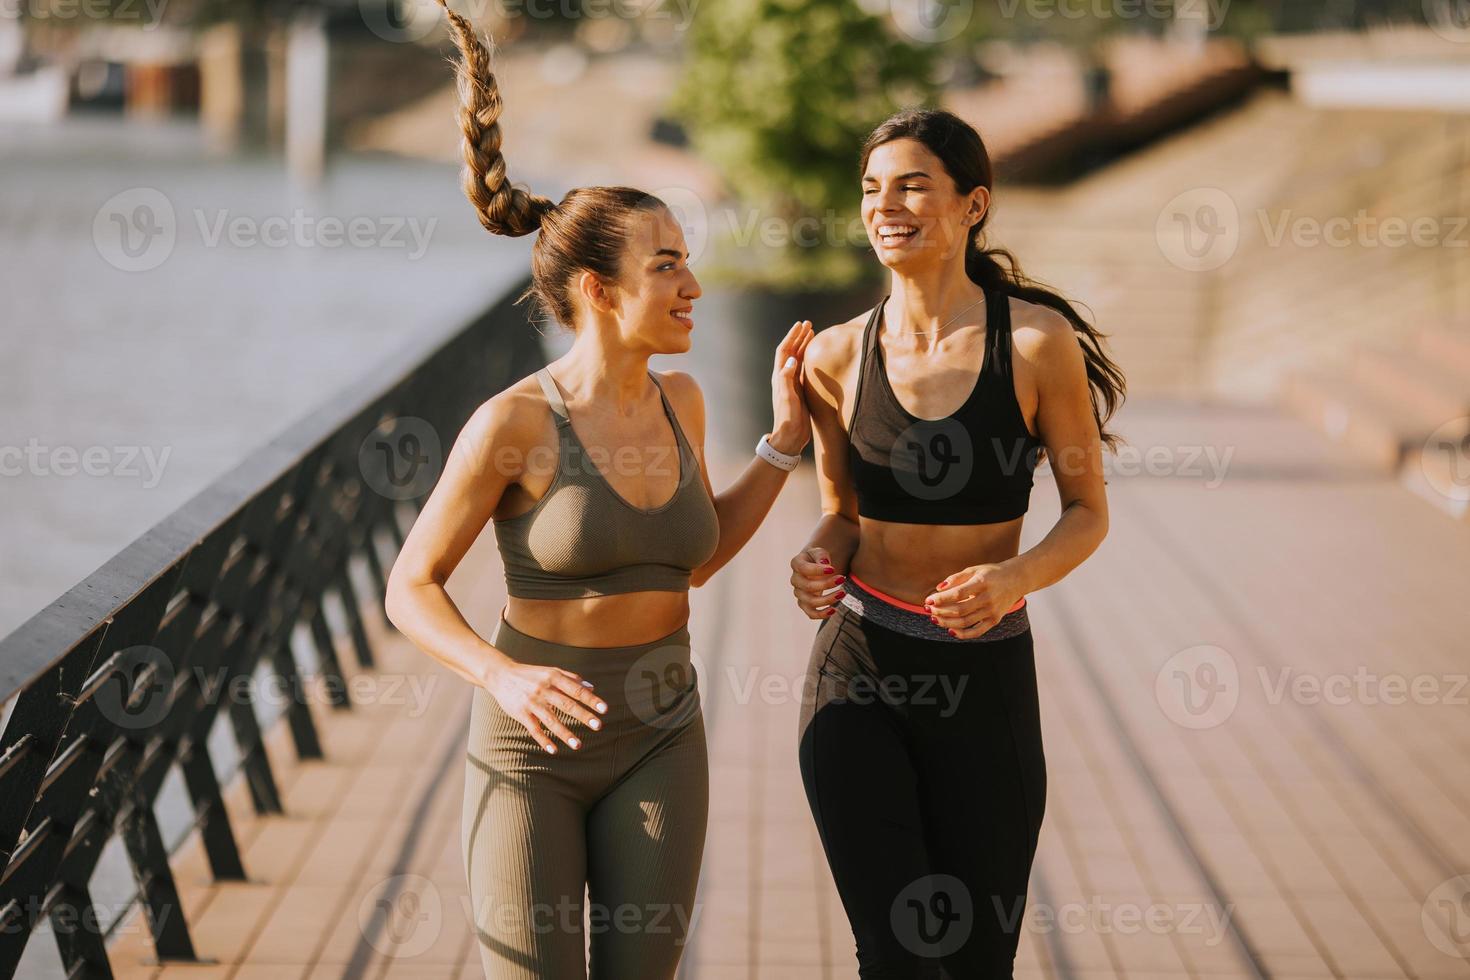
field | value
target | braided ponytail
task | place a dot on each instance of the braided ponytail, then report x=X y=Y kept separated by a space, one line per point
x=501 y=208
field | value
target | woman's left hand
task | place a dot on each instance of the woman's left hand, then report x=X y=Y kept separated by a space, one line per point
x=973 y=600
x=791 y=429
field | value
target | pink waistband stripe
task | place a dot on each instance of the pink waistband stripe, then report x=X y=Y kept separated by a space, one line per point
x=891 y=600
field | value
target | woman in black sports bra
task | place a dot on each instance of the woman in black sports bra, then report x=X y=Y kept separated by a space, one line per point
x=920 y=741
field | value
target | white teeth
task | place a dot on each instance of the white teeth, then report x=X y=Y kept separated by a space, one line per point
x=683 y=314
x=896 y=230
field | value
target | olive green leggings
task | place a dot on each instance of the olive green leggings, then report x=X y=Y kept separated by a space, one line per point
x=585 y=862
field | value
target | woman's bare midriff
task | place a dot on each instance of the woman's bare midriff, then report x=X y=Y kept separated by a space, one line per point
x=907 y=561
x=600 y=621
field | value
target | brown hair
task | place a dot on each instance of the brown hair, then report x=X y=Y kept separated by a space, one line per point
x=959 y=147
x=586 y=231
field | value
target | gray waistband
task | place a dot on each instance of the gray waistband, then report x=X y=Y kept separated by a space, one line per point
x=909 y=623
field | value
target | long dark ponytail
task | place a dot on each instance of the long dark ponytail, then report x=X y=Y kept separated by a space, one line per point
x=959 y=147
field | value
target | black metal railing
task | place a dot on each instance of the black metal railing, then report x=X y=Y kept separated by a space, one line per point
x=122 y=678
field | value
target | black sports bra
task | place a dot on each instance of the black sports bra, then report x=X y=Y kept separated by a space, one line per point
x=972 y=467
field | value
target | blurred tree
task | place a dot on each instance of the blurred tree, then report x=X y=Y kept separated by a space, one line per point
x=779 y=94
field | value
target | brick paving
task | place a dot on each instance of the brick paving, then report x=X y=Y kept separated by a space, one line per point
x=1320 y=822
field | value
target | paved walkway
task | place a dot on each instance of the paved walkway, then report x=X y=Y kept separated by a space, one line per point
x=1233 y=790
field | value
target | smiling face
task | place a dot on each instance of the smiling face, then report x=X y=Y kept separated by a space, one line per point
x=914 y=215
x=654 y=295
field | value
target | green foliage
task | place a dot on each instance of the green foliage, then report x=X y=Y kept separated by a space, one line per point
x=779 y=95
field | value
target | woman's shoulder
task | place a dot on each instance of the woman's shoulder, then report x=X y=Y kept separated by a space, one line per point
x=517 y=416
x=684 y=395
x=834 y=348
x=1039 y=331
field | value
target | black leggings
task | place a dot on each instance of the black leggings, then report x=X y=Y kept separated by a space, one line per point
x=923 y=766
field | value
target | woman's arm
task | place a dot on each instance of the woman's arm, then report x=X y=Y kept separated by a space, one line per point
x=488 y=455
x=822 y=564
x=452 y=518
x=973 y=600
x=1066 y=426
x=746 y=502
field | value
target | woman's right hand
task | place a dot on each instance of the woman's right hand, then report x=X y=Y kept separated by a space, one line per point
x=532 y=694
x=812 y=575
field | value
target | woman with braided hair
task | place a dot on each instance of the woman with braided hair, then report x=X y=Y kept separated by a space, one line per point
x=593 y=473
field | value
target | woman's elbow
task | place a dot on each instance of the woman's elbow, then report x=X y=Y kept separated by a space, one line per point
x=398 y=598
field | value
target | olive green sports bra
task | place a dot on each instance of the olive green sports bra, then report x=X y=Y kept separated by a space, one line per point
x=583 y=539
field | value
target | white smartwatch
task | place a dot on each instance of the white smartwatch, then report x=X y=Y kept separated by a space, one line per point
x=774 y=456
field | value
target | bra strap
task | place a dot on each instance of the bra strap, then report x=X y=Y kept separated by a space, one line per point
x=870 y=341
x=998 y=312
x=669 y=411
x=553 y=397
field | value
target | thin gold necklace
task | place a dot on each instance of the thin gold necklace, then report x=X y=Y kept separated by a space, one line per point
x=925 y=333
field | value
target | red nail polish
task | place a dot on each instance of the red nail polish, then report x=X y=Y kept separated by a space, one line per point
x=953 y=633
x=840 y=594
x=841 y=579
x=944 y=583
x=933 y=620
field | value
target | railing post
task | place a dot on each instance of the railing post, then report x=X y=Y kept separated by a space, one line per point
x=139 y=831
